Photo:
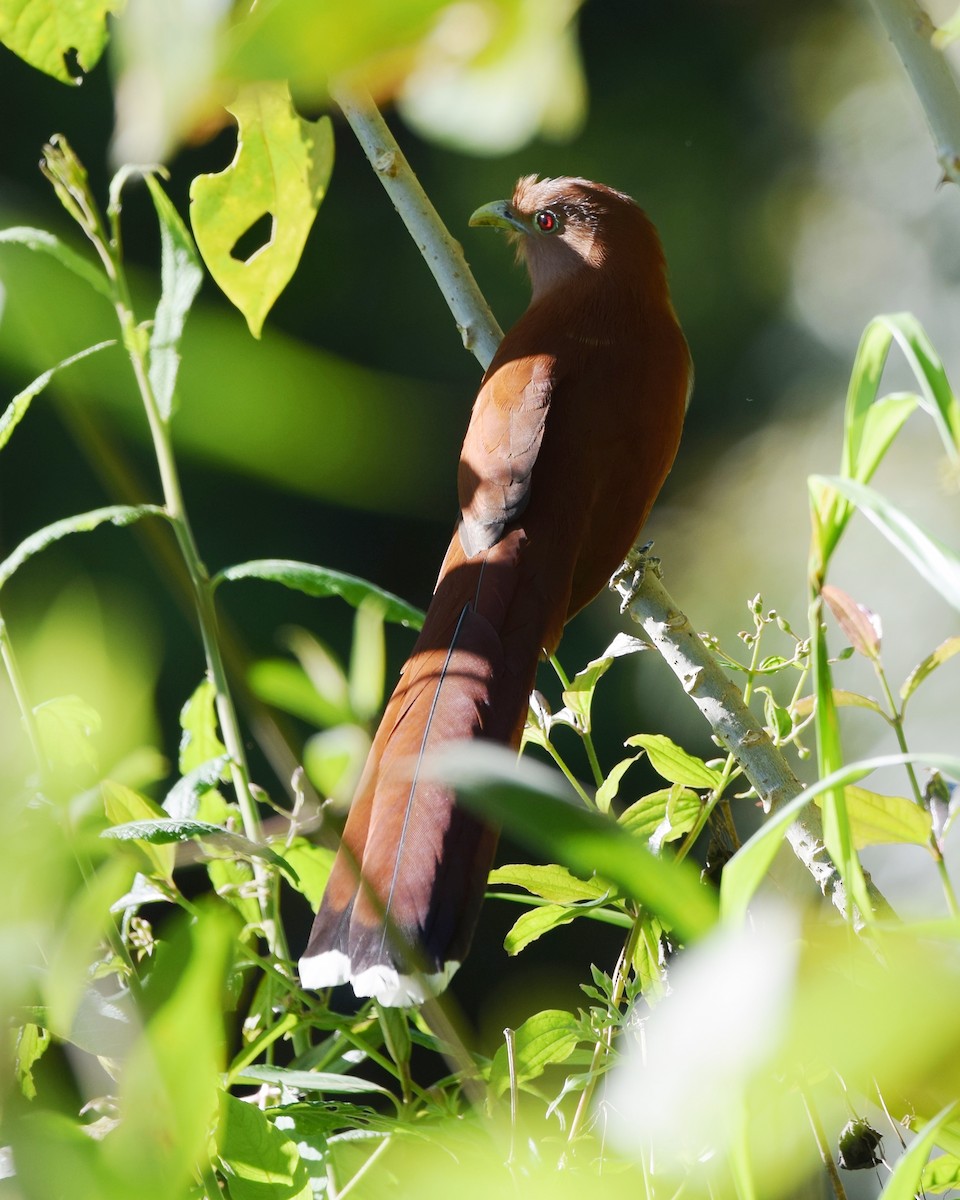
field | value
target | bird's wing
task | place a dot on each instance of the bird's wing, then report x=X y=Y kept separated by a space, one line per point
x=501 y=447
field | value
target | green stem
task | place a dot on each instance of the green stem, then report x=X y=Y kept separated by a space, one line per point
x=585 y=734
x=20 y=695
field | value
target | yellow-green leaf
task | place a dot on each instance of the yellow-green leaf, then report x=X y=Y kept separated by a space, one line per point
x=547 y=1037
x=122 y=804
x=875 y=819
x=553 y=883
x=673 y=763
x=44 y=32
x=535 y=922
x=943 y=652
x=280 y=171
x=662 y=816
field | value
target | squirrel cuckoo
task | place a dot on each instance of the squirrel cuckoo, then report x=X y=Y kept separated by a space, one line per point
x=572 y=434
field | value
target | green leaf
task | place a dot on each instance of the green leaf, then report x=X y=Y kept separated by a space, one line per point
x=182 y=802
x=312 y=865
x=904 y=1182
x=940 y=1174
x=123 y=805
x=311 y=1081
x=535 y=804
x=281 y=170
x=545 y=1038
x=56 y=1156
x=534 y=923
x=67 y=725
x=199 y=743
x=841 y=699
x=368 y=659
x=876 y=819
x=180 y=279
x=287 y=686
x=31 y=1042
x=232 y=879
x=48 y=243
x=322 y=581
x=45 y=32
x=578 y=697
x=662 y=816
x=674 y=763
x=115 y=514
x=936 y=562
x=943 y=653
x=18 y=406
x=553 y=883
x=608 y=790
x=169 y=1085
x=258 y=1160
x=160 y=831
x=743 y=873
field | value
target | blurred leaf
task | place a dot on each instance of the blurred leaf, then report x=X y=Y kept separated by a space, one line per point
x=164 y=59
x=492 y=87
x=673 y=763
x=367 y=659
x=322 y=581
x=31 y=1042
x=311 y=1081
x=535 y=805
x=859 y=623
x=904 y=1182
x=535 y=922
x=47 y=243
x=45 y=32
x=941 y=1174
x=66 y=725
x=553 y=883
x=116 y=514
x=281 y=170
x=122 y=805
x=334 y=759
x=547 y=1037
x=233 y=880
x=287 y=686
x=55 y=1156
x=312 y=865
x=180 y=279
x=199 y=743
x=169 y=1083
x=943 y=653
x=936 y=562
x=182 y=802
x=18 y=406
x=876 y=819
x=662 y=816
x=308 y=43
x=258 y=1160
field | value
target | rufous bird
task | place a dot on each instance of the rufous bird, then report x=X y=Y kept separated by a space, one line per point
x=573 y=431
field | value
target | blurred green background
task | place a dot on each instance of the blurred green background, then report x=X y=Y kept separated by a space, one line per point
x=784 y=158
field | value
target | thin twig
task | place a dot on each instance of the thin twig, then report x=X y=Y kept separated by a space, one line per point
x=442 y=253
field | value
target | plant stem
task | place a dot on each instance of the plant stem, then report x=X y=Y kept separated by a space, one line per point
x=22 y=699
x=911 y=31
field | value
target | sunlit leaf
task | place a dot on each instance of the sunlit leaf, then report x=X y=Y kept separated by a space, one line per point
x=534 y=923
x=67 y=726
x=199 y=742
x=161 y=831
x=18 y=406
x=578 y=697
x=280 y=171
x=859 y=623
x=674 y=763
x=312 y=865
x=841 y=699
x=553 y=883
x=322 y=581
x=123 y=805
x=943 y=653
x=662 y=816
x=876 y=819
x=545 y=1038
x=115 y=514
x=48 y=33
x=180 y=279
x=904 y=1181
x=182 y=802
x=311 y=1081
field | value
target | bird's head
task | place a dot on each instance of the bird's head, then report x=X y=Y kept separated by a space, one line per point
x=565 y=227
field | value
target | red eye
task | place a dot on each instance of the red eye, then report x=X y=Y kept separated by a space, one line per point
x=546 y=220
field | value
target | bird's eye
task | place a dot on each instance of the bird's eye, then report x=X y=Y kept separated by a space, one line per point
x=547 y=221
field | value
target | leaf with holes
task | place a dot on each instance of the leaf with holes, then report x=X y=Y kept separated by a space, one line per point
x=279 y=175
x=48 y=33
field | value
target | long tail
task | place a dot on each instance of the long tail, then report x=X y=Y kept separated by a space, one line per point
x=402 y=901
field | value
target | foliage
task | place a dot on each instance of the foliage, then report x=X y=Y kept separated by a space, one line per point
x=159 y=1041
